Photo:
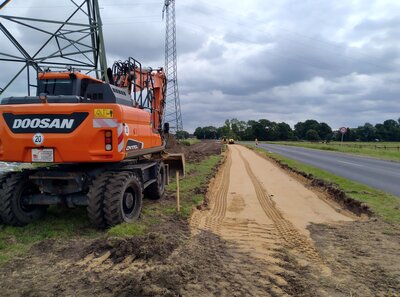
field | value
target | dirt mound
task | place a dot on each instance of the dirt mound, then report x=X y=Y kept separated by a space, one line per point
x=195 y=152
x=154 y=246
x=341 y=197
x=204 y=266
x=199 y=151
x=172 y=145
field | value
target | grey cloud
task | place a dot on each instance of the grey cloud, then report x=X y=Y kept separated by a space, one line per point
x=212 y=51
x=285 y=61
x=376 y=25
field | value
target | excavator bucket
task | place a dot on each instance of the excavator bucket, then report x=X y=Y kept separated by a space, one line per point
x=175 y=162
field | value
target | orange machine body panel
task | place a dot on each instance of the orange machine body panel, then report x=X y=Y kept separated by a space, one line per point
x=65 y=75
x=131 y=128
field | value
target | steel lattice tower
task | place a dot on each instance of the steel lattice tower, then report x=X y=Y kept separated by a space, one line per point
x=72 y=43
x=173 y=107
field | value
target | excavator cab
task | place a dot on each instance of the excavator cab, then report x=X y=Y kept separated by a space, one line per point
x=64 y=83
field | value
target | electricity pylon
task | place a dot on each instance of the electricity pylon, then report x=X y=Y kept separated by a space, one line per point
x=172 y=113
x=71 y=43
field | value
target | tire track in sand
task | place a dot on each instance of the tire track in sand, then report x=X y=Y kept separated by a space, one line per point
x=218 y=203
x=286 y=229
x=250 y=246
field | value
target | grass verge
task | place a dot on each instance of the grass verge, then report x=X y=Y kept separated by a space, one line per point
x=364 y=149
x=194 y=186
x=189 y=141
x=58 y=223
x=382 y=204
x=66 y=224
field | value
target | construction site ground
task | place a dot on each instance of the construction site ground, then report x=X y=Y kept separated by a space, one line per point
x=261 y=231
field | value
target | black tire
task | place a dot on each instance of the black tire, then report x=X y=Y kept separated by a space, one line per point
x=95 y=199
x=156 y=190
x=12 y=209
x=3 y=177
x=123 y=198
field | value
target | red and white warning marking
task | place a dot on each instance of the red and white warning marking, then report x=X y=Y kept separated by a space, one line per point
x=120 y=137
x=105 y=123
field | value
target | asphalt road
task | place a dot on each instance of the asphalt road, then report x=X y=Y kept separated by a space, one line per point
x=384 y=175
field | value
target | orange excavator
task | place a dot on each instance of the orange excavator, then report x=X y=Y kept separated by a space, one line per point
x=98 y=144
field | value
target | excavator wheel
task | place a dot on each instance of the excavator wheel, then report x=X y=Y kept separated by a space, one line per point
x=95 y=199
x=3 y=177
x=123 y=198
x=156 y=190
x=13 y=210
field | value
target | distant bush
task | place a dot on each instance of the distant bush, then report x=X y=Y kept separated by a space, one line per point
x=185 y=142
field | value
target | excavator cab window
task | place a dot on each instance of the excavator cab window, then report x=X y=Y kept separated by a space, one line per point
x=56 y=86
x=84 y=84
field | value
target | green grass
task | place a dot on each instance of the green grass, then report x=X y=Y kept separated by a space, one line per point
x=128 y=229
x=189 y=141
x=66 y=224
x=381 y=203
x=197 y=175
x=375 y=149
x=58 y=224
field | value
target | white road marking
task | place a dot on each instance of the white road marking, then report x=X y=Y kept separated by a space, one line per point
x=351 y=163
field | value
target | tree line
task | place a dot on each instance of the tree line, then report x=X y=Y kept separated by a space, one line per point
x=311 y=130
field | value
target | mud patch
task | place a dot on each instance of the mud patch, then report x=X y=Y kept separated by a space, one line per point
x=153 y=246
x=363 y=256
x=204 y=265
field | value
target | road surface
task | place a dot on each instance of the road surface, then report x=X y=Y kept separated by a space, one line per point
x=259 y=209
x=380 y=174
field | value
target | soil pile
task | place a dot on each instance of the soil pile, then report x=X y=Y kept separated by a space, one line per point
x=195 y=152
x=199 y=151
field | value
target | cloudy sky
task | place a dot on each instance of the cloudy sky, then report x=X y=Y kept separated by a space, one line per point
x=333 y=61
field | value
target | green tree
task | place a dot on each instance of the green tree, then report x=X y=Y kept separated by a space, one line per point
x=381 y=132
x=324 y=131
x=393 y=130
x=199 y=133
x=258 y=130
x=312 y=135
x=271 y=130
x=301 y=128
x=284 y=132
x=210 y=132
x=366 y=132
x=182 y=134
